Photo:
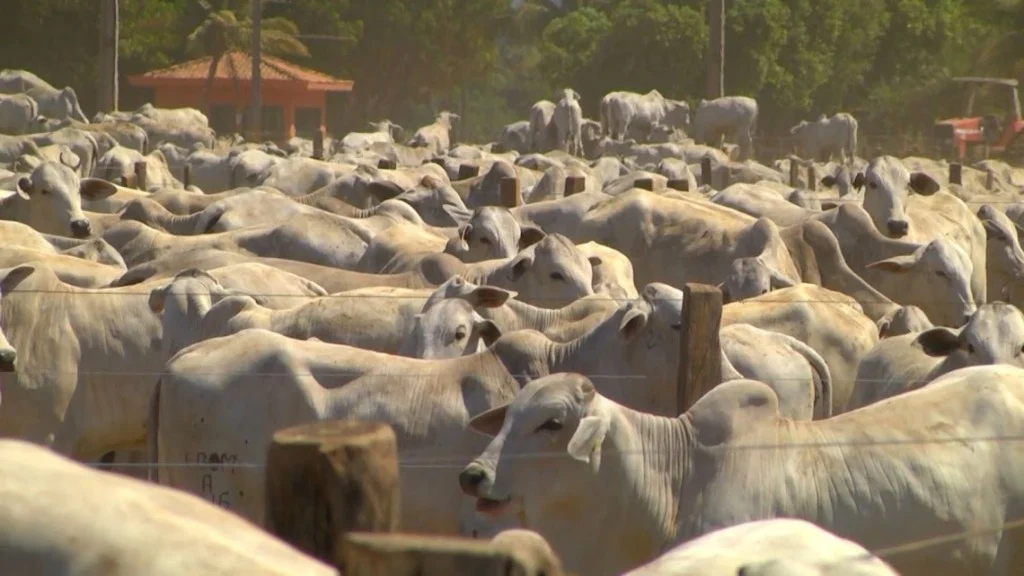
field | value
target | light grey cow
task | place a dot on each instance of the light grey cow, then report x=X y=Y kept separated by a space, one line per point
x=17 y=112
x=827 y=137
x=624 y=112
x=542 y=126
x=437 y=135
x=734 y=117
x=569 y=122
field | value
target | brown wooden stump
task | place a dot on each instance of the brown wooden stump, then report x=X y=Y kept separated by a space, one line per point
x=511 y=195
x=326 y=479
x=644 y=184
x=409 y=555
x=700 y=356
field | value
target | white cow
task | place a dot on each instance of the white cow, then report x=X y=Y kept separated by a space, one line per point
x=116 y=526
x=17 y=113
x=385 y=131
x=825 y=137
x=562 y=454
x=927 y=214
x=568 y=120
x=993 y=335
x=516 y=137
x=731 y=116
x=623 y=110
x=542 y=134
x=50 y=199
x=436 y=137
x=760 y=547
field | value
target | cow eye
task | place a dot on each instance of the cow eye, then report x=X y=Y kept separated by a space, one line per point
x=970 y=348
x=941 y=274
x=552 y=425
x=557 y=276
x=485 y=241
x=460 y=333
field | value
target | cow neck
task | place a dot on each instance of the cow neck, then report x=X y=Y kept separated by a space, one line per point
x=656 y=467
x=537 y=318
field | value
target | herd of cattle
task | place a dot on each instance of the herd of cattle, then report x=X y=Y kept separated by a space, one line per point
x=526 y=356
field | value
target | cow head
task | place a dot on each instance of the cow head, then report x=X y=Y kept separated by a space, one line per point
x=887 y=186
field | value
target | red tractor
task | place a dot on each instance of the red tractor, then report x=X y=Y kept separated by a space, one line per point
x=978 y=137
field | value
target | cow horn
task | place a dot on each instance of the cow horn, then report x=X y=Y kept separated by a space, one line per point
x=67 y=163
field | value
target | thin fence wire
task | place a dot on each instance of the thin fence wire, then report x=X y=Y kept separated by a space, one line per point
x=426 y=292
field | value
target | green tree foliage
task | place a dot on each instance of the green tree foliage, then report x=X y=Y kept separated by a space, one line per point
x=888 y=61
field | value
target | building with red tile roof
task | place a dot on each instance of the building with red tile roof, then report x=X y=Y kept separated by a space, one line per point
x=294 y=97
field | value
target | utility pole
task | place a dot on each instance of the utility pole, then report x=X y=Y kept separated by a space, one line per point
x=255 y=99
x=107 y=96
x=716 y=49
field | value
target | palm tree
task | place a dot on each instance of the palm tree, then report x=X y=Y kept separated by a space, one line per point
x=227 y=27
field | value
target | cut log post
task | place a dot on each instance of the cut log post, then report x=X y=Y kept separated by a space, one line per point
x=387 y=164
x=700 y=357
x=990 y=179
x=125 y=181
x=644 y=184
x=794 y=173
x=318 y=144
x=812 y=177
x=467 y=171
x=575 y=185
x=438 y=161
x=186 y=175
x=326 y=479
x=705 y=171
x=140 y=175
x=956 y=173
x=413 y=555
x=680 y=184
x=511 y=196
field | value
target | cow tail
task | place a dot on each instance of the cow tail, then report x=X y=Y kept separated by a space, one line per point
x=604 y=116
x=152 y=430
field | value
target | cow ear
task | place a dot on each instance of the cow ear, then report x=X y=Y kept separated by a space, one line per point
x=938 y=342
x=633 y=321
x=883 y=327
x=489 y=422
x=858 y=181
x=519 y=267
x=96 y=189
x=585 y=444
x=490 y=296
x=828 y=181
x=157 y=298
x=383 y=190
x=595 y=261
x=14 y=276
x=896 y=264
x=529 y=236
x=25 y=188
x=923 y=184
x=488 y=331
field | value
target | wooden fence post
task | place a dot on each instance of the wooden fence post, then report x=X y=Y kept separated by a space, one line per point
x=575 y=185
x=467 y=171
x=956 y=173
x=700 y=357
x=125 y=181
x=416 y=555
x=387 y=164
x=328 y=478
x=990 y=179
x=318 y=144
x=511 y=196
x=140 y=175
x=680 y=184
x=705 y=171
x=794 y=173
x=186 y=175
x=812 y=177
x=644 y=184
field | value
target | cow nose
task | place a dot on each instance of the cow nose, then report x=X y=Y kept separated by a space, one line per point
x=898 y=228
x=7 y=359
x=471 y=478
x=81 y=228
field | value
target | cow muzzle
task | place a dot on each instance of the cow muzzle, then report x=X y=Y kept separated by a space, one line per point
x=81 y=228
x=471 y=479
x=7 y=360
x=898 y=228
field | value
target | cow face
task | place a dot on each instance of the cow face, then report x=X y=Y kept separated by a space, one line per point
x=887 y=186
